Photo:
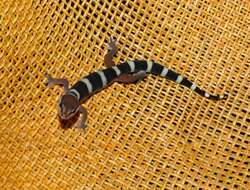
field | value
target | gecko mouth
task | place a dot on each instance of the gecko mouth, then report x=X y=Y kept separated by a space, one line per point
x=65 y=117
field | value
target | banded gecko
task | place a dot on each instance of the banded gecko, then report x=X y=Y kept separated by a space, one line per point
x=127 y=72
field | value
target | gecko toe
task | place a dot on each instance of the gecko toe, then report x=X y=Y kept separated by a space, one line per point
x=49 y=81
x=112 y=44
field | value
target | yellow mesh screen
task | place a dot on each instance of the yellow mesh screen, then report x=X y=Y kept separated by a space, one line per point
x=152 y=135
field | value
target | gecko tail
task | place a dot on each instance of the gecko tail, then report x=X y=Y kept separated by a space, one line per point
x=209 y=96
x=218 y=97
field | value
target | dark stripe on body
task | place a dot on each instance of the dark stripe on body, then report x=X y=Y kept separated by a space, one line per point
x=200 y=91
x=140 y=65
x=95 y=80
x=171 y=75
x=110 y=74
x=124 y=68
x=81 y=88
x=186 y=82
x=156 y=69
x=212 y=97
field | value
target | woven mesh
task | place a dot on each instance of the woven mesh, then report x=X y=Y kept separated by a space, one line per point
x=152 y=135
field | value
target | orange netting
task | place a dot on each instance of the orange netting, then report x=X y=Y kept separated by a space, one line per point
x=152 y=135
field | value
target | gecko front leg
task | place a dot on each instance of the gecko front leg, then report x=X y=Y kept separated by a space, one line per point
x=84 y=114
x=55 y=81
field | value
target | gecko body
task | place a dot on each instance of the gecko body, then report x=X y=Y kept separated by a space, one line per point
x=95 y=81
x=127 y=72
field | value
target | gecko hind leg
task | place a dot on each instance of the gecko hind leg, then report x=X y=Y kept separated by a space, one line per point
x=55 y=81
x=131 y=78
x=108 y=58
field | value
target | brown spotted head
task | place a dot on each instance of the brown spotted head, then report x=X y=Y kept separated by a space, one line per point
x=68 y=106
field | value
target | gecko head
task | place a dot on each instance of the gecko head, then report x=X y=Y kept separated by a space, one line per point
x=68 y=106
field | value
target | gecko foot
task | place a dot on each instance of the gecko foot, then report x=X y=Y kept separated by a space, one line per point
x=50 y=80
x=55 y=81
x=112 y=45
x=82 y=126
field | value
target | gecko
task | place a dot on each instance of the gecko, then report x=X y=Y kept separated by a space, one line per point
x=70 y=103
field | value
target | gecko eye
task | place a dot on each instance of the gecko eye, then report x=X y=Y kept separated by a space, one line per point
x=60 y=104
x=61 y=108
